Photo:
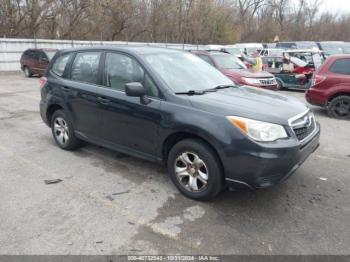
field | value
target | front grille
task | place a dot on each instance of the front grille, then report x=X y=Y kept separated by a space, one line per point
x=303 y=126
x=267 y=81
x=304 y=132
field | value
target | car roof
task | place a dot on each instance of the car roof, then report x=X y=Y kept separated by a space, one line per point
x=209 y=53
x=42 y=49
x=141 y=50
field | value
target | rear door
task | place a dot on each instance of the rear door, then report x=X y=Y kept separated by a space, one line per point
x=82 y=91
x=130 y=124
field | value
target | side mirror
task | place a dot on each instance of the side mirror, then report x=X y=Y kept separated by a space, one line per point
x=135 y=89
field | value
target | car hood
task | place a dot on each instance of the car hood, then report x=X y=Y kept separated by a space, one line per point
x=247 y=73
x=250 y=102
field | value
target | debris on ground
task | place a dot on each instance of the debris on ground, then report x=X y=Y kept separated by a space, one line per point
x=120 y=193
x=324 y=178
x=52 y=181
x=99 y=242
x=136 y=250
x=131 y=223
x=110 y=197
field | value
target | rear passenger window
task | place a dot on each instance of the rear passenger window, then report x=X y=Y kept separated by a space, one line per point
x=60 y=64
x=341 y=66
x=85 y=67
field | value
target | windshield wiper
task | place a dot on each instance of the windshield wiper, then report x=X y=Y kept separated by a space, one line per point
x=191 y=92
x=219 y=87
x=202 y=92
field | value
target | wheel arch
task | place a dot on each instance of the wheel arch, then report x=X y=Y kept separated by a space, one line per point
x=335 y=95
x=176 y=137
x=51 y=110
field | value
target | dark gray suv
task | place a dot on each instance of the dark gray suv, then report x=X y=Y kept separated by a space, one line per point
x=171 y=107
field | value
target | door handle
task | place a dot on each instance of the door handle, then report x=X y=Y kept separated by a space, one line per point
x=103 y=101
x=66 y=89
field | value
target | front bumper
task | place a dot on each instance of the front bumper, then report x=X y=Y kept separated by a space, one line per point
x=270 y=87
x=267 y=166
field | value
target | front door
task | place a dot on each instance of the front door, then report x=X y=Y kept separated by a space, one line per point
x=130 y=123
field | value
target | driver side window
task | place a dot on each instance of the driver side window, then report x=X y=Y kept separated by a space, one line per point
x=121 y=69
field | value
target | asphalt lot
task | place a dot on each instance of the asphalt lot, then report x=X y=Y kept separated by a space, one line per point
x=110 y=203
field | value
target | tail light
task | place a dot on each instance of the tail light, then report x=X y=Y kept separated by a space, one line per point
x=317 y=79
x=42 y=81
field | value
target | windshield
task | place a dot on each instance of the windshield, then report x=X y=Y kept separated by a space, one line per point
x=183 y=72
x=50 y=54
x=228 y=62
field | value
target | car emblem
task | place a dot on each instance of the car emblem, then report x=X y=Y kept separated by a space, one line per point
x=308 y=121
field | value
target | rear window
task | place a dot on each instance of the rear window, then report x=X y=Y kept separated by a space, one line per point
x=60 y=64
x=341 y=66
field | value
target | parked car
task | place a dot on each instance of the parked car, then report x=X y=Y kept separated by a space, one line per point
x=237 y=49
x=346 y=47
x=299 y=78
x=331 y=48
x=232 y=49
x=297 y=45
x=331 y=87
x=171 y=107
x=35 y=61
x=236 y=70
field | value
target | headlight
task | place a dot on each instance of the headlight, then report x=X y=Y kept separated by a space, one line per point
x=253 y=81
x=258 y=130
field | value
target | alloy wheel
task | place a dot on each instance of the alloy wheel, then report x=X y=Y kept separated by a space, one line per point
x=191 y=171
x=341 y=109
x=61 y=131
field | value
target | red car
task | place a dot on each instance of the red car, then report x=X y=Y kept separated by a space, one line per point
x=34 y=61
x=234 y=68
x=331 y=87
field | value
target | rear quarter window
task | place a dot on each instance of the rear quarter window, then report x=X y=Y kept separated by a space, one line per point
x=60 y=64
x=341 y=66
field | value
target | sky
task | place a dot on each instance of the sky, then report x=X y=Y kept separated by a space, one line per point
x=335 y=6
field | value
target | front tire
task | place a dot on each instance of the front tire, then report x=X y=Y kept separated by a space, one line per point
x=195 y=169
x=280 y=85
x=339 y=107
x=63 y=131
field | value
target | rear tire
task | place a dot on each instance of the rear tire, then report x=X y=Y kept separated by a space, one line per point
x=27 y=72
x=195 y=169
x=63 y=131
x=339 y=107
